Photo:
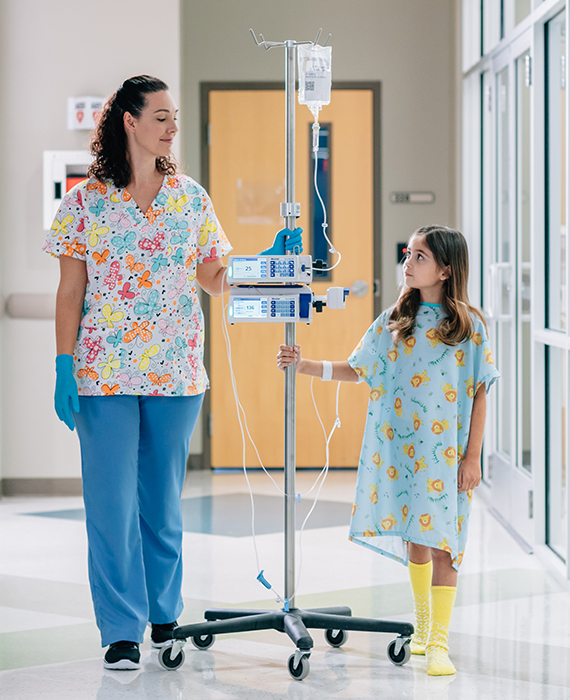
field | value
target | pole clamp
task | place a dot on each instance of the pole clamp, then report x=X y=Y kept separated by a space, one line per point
x=290 y=209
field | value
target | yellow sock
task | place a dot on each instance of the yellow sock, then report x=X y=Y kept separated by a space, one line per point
x=442 y=601
x=420 y=578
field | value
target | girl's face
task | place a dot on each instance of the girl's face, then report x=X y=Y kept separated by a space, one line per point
x=422 y=272
x=154 y=130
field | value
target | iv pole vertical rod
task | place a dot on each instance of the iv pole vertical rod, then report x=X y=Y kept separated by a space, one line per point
x=290 y=222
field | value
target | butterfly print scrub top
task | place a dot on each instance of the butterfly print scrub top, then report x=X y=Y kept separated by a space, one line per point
x=142 y=328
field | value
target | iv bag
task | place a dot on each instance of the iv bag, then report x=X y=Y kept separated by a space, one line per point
x=315 y=75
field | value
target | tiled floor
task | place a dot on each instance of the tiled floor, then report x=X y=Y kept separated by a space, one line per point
x=509 y=634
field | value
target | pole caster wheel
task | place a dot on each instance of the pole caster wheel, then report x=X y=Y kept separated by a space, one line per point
x=204 y=641
x=336 y=638
x=298 y=670
x=399 y=652
x=169 y=662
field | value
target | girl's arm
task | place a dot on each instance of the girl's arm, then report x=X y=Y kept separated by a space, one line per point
x=210 y=276
x=69 y=303
x=469 y=473
x=342 y=371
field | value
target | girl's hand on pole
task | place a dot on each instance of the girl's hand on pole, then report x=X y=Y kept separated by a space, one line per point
x=288 y=355
x=469 y=474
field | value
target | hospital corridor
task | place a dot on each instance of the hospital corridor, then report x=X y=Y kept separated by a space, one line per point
x=284 y=350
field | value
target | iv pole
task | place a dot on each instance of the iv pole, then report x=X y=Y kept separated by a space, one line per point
x=294 y=622
x=290 y=331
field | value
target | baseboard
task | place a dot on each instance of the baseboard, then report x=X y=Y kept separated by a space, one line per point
x=41 y=487
x=523 y=544
x=64 y=487
x=195 y=462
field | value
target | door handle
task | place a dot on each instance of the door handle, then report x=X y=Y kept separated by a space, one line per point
x=359 y=288
x=377 y=287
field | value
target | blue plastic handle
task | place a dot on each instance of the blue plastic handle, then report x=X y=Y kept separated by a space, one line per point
x=261 y=578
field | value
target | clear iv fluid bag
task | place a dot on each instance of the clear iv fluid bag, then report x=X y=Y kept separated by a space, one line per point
x=315 y=76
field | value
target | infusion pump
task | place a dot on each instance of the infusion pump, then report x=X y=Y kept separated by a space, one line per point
x=274 y=289
x=270 y=304
x=270 y=269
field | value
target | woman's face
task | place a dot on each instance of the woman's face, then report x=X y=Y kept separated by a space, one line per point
x=154 y=130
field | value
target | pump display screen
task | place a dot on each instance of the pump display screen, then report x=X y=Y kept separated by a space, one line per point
x=250 y=308
x=249 y=268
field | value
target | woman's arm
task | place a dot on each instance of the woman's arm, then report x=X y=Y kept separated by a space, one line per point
x=69 y=303
x=469 y=473
x=341 y=371
x=210 y=276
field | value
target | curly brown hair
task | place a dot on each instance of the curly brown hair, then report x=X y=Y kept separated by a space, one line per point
x=109 y=140
x=449 y=248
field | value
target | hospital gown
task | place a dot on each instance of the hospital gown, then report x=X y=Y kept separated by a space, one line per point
x=417 y=430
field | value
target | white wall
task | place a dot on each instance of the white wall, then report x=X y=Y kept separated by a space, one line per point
x=408 y=45
x=49 y=51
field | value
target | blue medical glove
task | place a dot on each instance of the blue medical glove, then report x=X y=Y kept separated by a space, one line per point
x=66 y=394
x=286 y=239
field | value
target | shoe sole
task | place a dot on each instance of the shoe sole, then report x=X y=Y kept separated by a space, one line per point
x=159 y=645
x=122 y=665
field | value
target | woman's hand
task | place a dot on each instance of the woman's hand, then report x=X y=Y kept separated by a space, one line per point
x=66 y=398
x=286 y=239
x=288 y=356
x=469 y=474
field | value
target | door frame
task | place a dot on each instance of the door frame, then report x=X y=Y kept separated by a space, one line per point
x=512 y=487
x=205 y=89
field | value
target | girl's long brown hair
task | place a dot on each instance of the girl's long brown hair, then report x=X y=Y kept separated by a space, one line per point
x=449 y=248
x=109 y=140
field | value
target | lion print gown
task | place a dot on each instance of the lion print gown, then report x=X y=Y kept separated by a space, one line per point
x=417 y=430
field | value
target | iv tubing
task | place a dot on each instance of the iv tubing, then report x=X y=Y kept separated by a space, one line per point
x=320 y=478
x=322 y=474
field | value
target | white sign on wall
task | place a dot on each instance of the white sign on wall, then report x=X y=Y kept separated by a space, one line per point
x=83 y=112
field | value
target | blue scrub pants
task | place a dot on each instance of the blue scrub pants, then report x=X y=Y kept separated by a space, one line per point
x=133 y=452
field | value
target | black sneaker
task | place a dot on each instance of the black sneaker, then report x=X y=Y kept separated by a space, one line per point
x=161 y=634
x=123 y=656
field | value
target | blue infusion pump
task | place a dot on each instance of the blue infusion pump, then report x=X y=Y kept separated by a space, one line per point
x=270 y=304
x=272 y=269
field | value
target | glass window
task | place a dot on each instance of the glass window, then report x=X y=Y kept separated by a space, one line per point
x=523 y=238
x=320 y=175
x=491 y=20
x=487 y=224
x=504 y=268
x=556 y=238
x=487 y=158
x=522 y=9
x=556 y=410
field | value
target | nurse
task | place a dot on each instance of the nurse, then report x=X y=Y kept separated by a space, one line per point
x=134 y=242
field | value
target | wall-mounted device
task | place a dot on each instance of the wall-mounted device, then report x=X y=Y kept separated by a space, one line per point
x=62 y=170
x=412 y=197
x=260 y=269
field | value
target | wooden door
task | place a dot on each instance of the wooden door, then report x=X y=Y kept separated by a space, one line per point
x=247 y=171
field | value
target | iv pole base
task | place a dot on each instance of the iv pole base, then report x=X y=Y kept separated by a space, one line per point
x=295 y=623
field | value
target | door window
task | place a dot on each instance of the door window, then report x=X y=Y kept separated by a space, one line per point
x=503 y=281
x=523 y=247
x=556 y=412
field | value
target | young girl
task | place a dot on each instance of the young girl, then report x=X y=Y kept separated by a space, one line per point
x=428 y=365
